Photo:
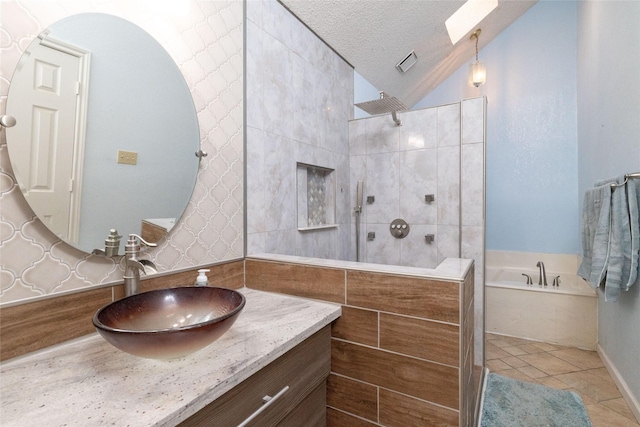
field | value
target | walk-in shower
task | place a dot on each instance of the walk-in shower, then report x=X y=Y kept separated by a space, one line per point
x=384 y=105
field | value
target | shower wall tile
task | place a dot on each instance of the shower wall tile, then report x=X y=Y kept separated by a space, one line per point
x=473 y=120
x=384 y=249
x=255 y=185
x=418 y=177
x=343 y=195
x=419 y=129
x=280 y=242
x=277 y=93
x=357 y=137
x=448 y=242
x=254 y=79
x=449 y=125
x=448 y=185
x=256 y=243
x=343 y=245
x=382 y=135
x=415 y=251
x=277 y=22
x=207 y=46
x=317 y=244
x=312 y=155
x=305 y=120
x=255 y=13
x=472 y=197
x=336 y=111
x=301 y=196
x=280 y=191
x=306 y=102
x=383 y=174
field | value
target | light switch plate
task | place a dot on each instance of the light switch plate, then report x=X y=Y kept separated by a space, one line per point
x=127 y=157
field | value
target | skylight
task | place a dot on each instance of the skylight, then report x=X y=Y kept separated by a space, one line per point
x=467 y=17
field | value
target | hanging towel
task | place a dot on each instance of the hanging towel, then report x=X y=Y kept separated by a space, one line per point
x=633 y=195
x=623 y=248
x=595 y=234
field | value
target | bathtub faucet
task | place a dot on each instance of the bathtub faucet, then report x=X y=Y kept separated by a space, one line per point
x=543 y=274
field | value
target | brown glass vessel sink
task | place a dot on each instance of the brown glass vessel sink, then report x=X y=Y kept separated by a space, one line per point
x=169 y=323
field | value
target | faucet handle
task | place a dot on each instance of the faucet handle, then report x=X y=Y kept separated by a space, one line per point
x=133 y=237
x=529 y=279
x=132 y=247
x=556 y=281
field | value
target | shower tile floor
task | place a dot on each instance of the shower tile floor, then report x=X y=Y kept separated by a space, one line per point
x=563 y=368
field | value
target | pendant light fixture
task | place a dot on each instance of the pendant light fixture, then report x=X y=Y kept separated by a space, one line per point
x=477 y=70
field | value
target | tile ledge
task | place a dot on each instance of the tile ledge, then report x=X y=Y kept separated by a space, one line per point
x=450 y=269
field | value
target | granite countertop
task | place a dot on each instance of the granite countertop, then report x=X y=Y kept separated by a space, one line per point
x=88 y=382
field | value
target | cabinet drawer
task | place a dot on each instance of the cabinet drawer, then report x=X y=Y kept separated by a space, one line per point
x=301 y=369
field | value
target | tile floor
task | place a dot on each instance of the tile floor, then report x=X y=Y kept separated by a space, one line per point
x=562 y=368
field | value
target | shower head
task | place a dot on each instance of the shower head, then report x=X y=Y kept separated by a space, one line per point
x=384 y=105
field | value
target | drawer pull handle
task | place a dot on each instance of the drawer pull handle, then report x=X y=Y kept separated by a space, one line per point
x=268 y=400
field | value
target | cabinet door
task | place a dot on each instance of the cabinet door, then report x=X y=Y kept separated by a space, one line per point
x=311 y=412
x=302 y=370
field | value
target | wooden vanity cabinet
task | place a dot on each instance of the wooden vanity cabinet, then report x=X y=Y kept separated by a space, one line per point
x=303 y=369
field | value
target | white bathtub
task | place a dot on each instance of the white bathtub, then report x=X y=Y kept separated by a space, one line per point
x=565 y=315
x=509 y=277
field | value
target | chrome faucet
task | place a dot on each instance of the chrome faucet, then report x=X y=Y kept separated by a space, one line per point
x=543 y=274
x=133 y=265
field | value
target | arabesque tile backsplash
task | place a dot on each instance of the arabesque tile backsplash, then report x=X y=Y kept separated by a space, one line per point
x=207 y=45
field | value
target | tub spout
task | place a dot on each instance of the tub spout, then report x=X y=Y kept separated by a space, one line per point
x=543 y=274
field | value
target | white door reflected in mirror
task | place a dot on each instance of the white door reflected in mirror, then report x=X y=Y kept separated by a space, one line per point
x=51 y=113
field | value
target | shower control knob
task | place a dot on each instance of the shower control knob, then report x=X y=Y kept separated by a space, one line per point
x=399 y=228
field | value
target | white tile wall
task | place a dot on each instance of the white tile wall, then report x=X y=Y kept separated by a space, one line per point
x=401 y=164
x=207 y=45
x=299 y=101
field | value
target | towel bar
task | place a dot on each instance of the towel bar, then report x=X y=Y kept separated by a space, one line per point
x=626 y=178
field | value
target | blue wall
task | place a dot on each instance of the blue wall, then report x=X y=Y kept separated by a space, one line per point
x=609 y=145
x=531 y=172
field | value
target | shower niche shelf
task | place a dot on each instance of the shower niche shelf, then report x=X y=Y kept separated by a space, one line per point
x=316 y=193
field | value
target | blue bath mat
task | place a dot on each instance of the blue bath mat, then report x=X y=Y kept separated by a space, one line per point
x=508 y=402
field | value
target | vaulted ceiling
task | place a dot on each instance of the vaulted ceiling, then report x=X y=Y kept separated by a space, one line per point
x=374 y=35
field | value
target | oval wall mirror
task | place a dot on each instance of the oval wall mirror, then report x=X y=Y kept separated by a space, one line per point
x=106 y=131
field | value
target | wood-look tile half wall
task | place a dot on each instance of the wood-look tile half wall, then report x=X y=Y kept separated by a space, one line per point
x=32 y=326
x=396 y=349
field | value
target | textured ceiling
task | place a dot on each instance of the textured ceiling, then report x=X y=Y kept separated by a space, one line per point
x=374 y=35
